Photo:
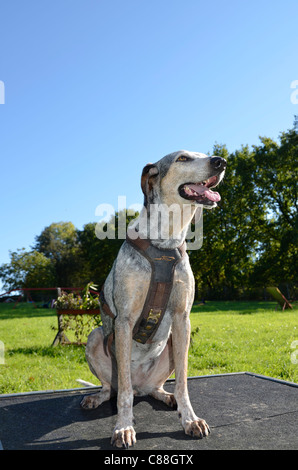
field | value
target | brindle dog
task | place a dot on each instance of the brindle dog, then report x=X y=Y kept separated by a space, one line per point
x=129 y=367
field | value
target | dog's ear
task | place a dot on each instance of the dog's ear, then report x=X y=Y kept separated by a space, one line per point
x=149 y=173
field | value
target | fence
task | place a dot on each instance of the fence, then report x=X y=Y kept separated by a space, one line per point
x=26 y=292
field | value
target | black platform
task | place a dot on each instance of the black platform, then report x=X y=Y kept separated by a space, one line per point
x=244 y=411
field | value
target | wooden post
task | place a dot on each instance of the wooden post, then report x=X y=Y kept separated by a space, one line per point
x=277 y=295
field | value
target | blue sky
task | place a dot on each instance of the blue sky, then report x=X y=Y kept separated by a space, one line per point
x=96 y=89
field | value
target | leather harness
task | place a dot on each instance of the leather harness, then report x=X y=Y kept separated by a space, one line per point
x=163 y=263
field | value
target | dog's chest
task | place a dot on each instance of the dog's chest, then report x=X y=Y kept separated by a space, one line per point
x=163 y=264
x=180 y=302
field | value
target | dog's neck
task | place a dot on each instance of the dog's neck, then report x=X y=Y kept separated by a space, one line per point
x=166 y=227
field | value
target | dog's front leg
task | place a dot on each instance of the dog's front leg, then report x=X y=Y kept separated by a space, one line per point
x=124 y=434
x=192 y=425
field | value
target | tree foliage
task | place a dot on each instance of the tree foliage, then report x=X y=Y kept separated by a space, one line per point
x=28 y=269
x=275 y=181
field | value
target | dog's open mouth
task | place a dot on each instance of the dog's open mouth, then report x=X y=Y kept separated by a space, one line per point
x=201 y=192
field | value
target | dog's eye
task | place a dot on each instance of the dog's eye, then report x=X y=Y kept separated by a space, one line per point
x=183 y=158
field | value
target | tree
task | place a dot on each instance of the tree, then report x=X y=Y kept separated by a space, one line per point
x=224 y=263
x=250 y=239
x=58 y=242
x=27 y=269
x=275 y=181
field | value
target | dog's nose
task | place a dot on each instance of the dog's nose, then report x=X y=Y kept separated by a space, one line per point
x=218 y=163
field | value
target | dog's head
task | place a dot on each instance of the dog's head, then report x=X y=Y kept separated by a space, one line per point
x=183 y=177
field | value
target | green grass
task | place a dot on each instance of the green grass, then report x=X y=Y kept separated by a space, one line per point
x=243 y=336
x=226 y=337
x=30 y=362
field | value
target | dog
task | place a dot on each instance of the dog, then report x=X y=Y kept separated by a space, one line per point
x=126 y=363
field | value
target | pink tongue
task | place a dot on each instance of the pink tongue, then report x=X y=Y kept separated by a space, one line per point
x=201 y=189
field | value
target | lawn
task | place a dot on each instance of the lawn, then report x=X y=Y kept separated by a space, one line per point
x=226 y=337
x=244 y=336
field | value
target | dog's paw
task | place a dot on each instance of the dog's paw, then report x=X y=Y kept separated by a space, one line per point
x=170 y=400
x=124 y=437
x=197 y=428
x=90 y=402
x=166 y=397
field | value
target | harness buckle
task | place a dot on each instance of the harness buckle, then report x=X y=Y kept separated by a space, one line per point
x=154 y=315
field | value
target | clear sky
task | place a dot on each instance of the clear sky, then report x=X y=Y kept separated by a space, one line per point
x=95 y=89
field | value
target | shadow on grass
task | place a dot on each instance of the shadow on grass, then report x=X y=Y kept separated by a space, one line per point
x=7 y=311
x=49 y=351
x=234 y=307
x=24 y=310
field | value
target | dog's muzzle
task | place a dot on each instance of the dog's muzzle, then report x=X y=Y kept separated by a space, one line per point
x=202 y=192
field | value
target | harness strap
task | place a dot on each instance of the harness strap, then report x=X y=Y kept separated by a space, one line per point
x=163 y=263
x=104 y=304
